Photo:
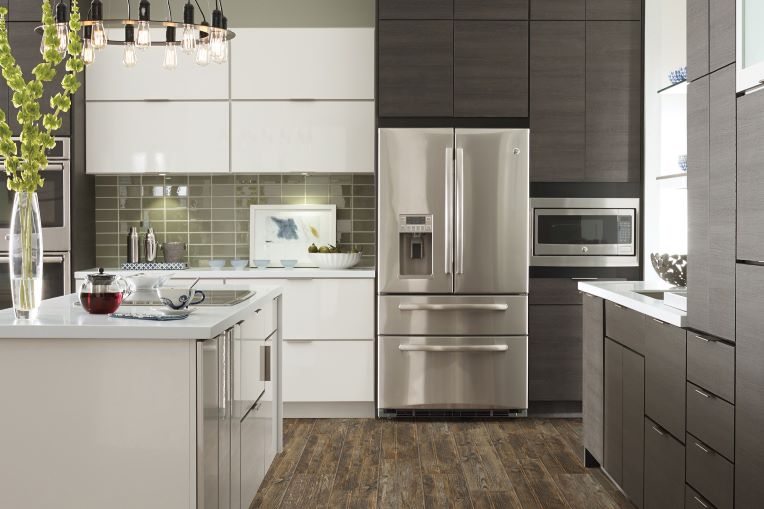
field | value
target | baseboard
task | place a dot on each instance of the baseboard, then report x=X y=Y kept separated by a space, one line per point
x=554 y=409
x=329 y=410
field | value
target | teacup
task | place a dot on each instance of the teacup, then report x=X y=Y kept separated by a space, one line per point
x=180 y=298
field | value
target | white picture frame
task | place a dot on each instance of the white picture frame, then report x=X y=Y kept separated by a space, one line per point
x=284 y=232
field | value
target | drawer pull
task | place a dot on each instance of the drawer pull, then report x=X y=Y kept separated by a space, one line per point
x=703 y=448
x=618 y=306
x=297 y=340
x=703 y=504
x=453 y=348
x=658 y=431
x=257 y=311
x=658 y=321
x=702 y=393
x=453 y=307
x=707 y=340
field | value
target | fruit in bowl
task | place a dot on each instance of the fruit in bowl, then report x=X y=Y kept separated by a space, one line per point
x=332 y=258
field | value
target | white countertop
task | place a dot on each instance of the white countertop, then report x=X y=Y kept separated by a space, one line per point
x=624 y=293
x=62 y=318
x=249 y=273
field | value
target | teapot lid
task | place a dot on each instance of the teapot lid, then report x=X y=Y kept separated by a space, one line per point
x=101 y=278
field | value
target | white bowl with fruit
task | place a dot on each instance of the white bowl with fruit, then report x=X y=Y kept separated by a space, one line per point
x=331 y=258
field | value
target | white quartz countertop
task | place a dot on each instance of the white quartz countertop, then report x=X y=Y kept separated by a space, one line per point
x=249 y=273
x=624 y=293
x=62 y=318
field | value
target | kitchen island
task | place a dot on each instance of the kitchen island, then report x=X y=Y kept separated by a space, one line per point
x=108 y=412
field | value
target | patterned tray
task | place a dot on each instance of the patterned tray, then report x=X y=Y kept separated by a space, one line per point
x=155 y=266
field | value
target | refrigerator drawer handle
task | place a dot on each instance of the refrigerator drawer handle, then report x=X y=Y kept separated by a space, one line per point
x=453 y=307
x=466 y=348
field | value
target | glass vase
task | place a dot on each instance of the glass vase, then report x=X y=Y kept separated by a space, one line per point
x=26 y=255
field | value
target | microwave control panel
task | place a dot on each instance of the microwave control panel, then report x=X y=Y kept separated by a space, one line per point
x=420 y=223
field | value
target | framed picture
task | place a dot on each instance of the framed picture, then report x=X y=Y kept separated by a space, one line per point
x=284 y=232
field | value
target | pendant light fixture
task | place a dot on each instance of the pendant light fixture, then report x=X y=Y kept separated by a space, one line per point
x=203 y=41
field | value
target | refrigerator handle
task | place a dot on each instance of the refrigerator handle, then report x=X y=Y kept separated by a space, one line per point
x=459 y=211
x=449 y=198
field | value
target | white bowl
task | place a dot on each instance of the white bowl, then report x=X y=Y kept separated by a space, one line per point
x=239 y=264
x=335 y=261
x=217 y=264
x=148 y=281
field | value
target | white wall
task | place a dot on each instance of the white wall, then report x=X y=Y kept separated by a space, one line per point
x=665 y=214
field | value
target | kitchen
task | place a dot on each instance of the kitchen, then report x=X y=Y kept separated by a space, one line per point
x=383 y=254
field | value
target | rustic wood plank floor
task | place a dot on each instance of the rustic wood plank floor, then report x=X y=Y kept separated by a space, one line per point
x=358 y=463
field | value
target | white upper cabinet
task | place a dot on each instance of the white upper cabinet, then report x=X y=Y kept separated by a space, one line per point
x=303 y=63
x=109 y=80
x=302 y=136
x=157 y=137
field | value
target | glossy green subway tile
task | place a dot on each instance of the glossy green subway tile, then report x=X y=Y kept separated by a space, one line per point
x=106 y=227
x=364 y=226
x=223 y=179
x=269 y=179
x=106 y=191
x=153 y=180
x=176 y=226
x=364 y=214
x=222 y=226
x=317 y=179
x=223 y=251
x=223 y=190
x=363 y=238
x=128 y=191
x=293 y=200
x=223 y=214
x=318 y=200
x=293 y=179
x=317 y=190
x=363 y=203
x=135 y=215
x=107 y=181
x=177 y=214
x=200 y=238
x=363 y=178
x=197 y=250
x=363 y=190
x=344 y=214
x=293 y=190
x=199 y=226
x=341 y=179
x=200 y=214
x=107 y=215
x=173 y=237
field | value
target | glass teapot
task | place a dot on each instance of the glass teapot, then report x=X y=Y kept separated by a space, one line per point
x=102 y=294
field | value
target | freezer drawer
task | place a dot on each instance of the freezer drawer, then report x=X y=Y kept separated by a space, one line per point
x=479 y=373
x=466 y=315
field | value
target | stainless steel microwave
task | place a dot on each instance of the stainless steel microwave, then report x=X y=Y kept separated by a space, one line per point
x=585 y=232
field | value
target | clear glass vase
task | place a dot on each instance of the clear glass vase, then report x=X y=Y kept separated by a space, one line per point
x=26 y=255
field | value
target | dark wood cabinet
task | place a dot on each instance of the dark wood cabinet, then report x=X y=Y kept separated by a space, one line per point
x=664 y=469
x=558 y=9
x=551 y=290
x=711 y=365
x=666 y=375
x=491 y=9
x=413 y=9
x=593 y=375
x=558 y=101
x=750 y=185
x=624 y=418
x=749 y=406
x=694 y=500
x=697 y=38
x=710 y=474
x=25 y=44
x=625 y=326
x=28 y=10
x=554 y=353
x=613 y=101
x=721 y=26
x=620 y=10
x=416 y=68
x=712 y=420
x=490 y=69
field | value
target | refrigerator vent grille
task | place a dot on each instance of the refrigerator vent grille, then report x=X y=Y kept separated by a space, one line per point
x=391 y=413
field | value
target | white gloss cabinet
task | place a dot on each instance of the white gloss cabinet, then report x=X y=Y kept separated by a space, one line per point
x=302 y=63
x=298 y=136
x=157 y=137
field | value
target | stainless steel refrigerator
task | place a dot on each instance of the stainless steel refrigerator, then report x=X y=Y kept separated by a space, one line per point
x=453 y=272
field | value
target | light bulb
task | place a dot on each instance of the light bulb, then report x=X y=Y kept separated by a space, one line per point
x=217 y=43
x=88 y=51
x=62 y=31
x=143 y=38
x=202 y=53
x=129 y=57
x=100 y=39
x=222 y=57
x=189 y=39
x=170 y=56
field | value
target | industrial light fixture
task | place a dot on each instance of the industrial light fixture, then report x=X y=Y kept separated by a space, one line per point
x=205 y=42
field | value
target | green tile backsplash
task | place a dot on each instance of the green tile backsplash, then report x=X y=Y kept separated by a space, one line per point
x=210 y=213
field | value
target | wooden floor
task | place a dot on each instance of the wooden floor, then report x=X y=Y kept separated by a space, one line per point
x=527 y=463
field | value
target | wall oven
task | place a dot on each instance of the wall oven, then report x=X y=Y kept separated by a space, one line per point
x=56 y=277
x=53 y=198
x=585 y=232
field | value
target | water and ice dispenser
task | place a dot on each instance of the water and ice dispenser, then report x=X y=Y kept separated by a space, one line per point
x=415 y=245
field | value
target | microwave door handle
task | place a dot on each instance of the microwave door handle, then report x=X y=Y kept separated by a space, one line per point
x=54 y=167
x=460 y=211
x=449 y=197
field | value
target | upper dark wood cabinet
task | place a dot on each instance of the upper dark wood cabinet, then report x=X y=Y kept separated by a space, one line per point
x=25 y=43
x=593 y=375
x=721 y=45
x=558 y=101
x=491 y=9
x=697 y=38
x=490 y=68
x=554 y=353
x=618 y=10
x=749 y=405
x=666 y=375
x=29 y=10
x=558 y=9
x=613 y=101
x=416 y=68
x=413 y=9
x=750 y=185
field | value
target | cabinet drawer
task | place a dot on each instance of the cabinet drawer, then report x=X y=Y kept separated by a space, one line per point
x=266 y=320
x=556 y=291
x=694 y=500
x=317 y=371
x=554 y=353
x=711 y=365
x=665 y=375
x=709 y=473
x=625 y=326
x=712 y=420
x=664 y=468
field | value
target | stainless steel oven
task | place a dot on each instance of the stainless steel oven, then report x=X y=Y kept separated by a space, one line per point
x=57 y=277
x=53 y=198
x=588 y=232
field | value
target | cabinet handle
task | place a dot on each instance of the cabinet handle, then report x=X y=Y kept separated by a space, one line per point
x=584 y=279
x=707 y=340
x=658 y=321
x=258 y=310
x=618 y=306
x=702 y=448
x=702 y=393
x=658 y=431
x=700 y=502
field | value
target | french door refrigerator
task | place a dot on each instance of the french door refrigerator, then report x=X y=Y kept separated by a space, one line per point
x=453 y=272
